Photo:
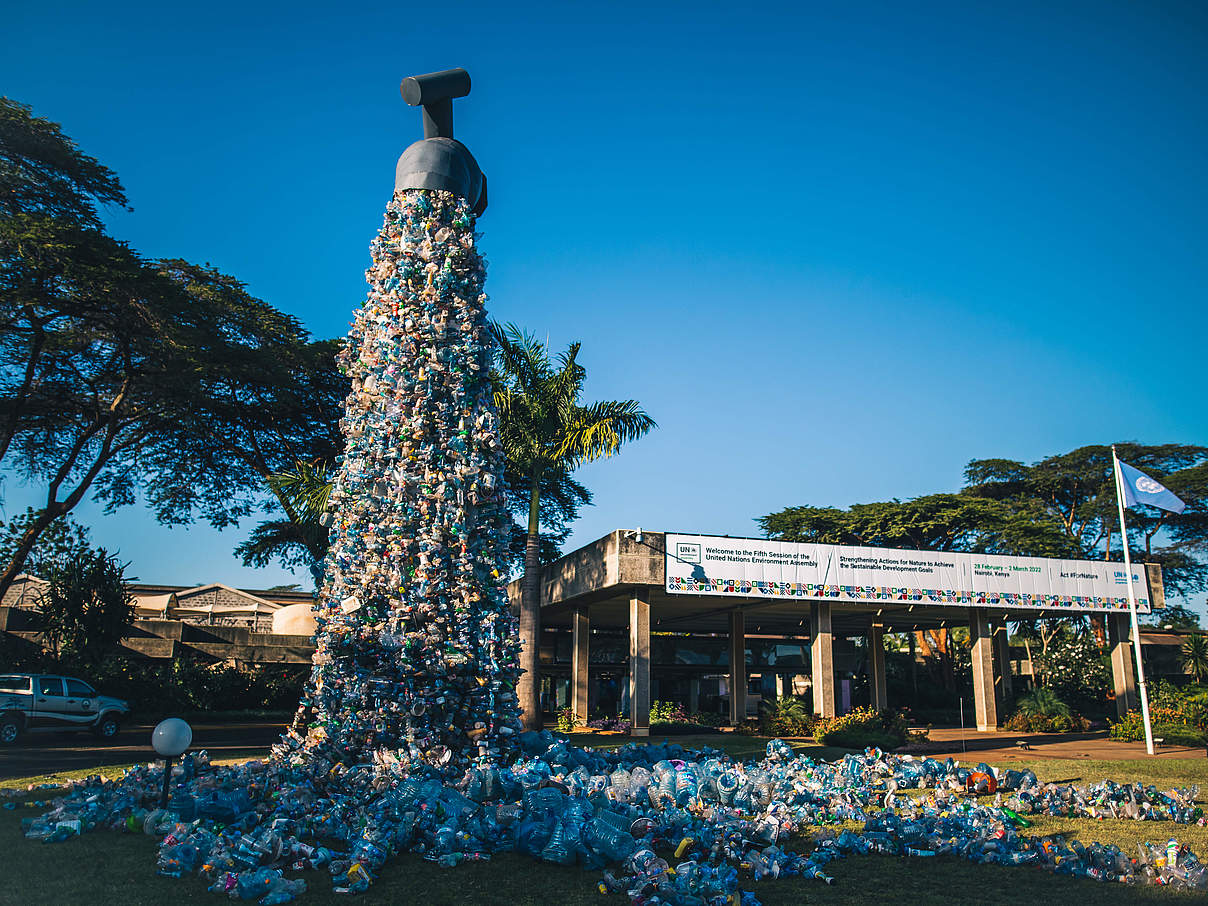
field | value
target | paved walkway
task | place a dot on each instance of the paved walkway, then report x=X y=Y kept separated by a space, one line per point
x=1000 y=745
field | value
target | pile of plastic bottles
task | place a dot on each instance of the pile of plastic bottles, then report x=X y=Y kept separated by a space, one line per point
x=660 y=821
x=416 y=649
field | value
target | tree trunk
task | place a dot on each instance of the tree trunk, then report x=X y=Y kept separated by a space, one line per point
x=528 y=687
x=17 y=561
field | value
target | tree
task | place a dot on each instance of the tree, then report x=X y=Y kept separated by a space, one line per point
x=1194 y=656
x=1176 y=616
x=61 y=542
x=1076 y=491
x=301 y=538
x=42 y=171
x=120 y=375
x=935 y=522
x=88 y=609
x=546 y=433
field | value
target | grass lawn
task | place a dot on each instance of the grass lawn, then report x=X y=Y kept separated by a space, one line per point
x=110 y=867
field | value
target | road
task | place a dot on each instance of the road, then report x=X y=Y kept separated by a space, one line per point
x=47 y=753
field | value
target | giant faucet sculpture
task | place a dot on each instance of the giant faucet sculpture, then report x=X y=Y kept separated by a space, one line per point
x=416 y=654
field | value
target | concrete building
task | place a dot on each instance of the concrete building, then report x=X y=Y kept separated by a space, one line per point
x=213 y=604
x=615 y=635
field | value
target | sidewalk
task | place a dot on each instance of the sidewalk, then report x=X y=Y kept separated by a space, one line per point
x=1000 y=745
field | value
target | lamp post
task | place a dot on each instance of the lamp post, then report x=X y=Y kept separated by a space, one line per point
x=170 y=738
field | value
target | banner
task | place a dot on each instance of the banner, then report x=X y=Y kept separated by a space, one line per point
x=708 y=565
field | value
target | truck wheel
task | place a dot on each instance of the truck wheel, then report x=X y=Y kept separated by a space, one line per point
x=10 y=729
x=106 y=728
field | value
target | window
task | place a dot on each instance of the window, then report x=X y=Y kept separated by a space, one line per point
x=50 y=685
x=77 y=689
x=14 y=683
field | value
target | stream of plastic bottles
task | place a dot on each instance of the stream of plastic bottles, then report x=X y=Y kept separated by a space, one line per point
x=664 y=824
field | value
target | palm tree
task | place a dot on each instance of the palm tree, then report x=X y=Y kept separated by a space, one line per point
x=1194 y=656
x=546 y=431
x=300 y=539
x=1042 y=702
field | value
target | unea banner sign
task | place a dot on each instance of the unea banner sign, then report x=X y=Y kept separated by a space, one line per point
x=708 y=565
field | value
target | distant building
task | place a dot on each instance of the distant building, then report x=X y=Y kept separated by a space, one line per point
x=214 y=604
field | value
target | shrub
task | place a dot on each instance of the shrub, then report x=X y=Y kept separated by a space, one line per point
x=1131 y=728
x=617 y=723
x=1024 y=722
x=566 y=720
x=1041 y=711
x=185 y=685
x=785 y=716
x=1178 y=715
x=1076 y=671
x=668 y=713
x=862 y=728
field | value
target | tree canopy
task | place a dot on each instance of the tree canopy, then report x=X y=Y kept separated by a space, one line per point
x=123 y=376
x=1061 y=506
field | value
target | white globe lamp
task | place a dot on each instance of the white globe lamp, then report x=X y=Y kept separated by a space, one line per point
x=170 y=738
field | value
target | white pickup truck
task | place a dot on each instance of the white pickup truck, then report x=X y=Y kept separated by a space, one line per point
x=36 y=702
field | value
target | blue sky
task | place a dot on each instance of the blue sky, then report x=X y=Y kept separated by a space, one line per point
x=837 y=250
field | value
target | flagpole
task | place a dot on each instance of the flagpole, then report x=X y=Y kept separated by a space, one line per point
x=1132 y=604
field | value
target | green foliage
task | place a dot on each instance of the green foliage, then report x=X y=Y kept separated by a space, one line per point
x=1178 y=714
x=42 y=171
x=1062 y=506
x=87 y=610
x=1042 y=702
x=1075 y=670
x=1076 y=491
x=300 y=539
x=157 y=689
x=938 y=522
x=547 y=432
x=566 y=720
x=1042 y=711
x=862 y=728
x=61 y=542
x=1176 y=616
x=786 y=715
x=1131 y=728
x=1194 y=657
x=122 y=376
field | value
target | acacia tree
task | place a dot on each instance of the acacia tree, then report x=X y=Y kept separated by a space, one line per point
x=546 y=432
x=120 y=375
x=935 y=522
x=1076 y=491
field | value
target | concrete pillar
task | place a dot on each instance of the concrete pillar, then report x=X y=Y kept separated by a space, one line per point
x=822 y=658
x=985 y=707
x=1124 y=677
x=639 y=662
x=738 y=668
x=693 y=694
x=876 y=667
x=580 y=650
x=1002 y=666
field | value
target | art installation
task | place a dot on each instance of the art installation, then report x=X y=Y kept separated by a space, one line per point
x=407 y=738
